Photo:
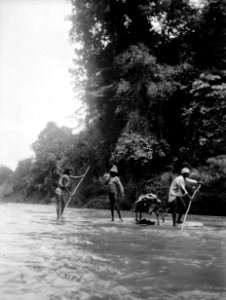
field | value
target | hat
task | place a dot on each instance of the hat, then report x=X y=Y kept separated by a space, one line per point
x=64 y=181
x=185 y=171
x=114 y=169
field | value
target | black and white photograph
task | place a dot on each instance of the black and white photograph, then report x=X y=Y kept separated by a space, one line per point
x=113 y=149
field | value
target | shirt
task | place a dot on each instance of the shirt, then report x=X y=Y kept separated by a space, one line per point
x=177 y=188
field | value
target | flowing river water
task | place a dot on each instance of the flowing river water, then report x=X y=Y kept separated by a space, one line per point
x=88 y=257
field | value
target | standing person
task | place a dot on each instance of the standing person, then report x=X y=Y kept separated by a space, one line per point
x=62 y=191
x=177 y=193
x=115 y=190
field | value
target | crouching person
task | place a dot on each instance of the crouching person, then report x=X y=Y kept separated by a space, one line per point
x=149 y=204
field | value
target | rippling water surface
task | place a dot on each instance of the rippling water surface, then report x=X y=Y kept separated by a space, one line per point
x=88 y=257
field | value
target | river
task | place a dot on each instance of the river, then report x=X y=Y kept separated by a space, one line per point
x=88 y=257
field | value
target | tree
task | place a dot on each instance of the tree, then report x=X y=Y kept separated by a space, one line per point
x=5 y=174
x=124 y=47
x=205 y=118
x=138 y=63
x=210 y=39
x=139 y=154
x=50 y=148
x=23 y=176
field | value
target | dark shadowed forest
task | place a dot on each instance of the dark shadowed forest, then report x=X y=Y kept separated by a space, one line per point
x=152 y=79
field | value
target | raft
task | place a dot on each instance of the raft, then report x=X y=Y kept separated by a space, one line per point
x=188 y=224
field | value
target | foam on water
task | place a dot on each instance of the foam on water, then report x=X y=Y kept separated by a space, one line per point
x=88 y=257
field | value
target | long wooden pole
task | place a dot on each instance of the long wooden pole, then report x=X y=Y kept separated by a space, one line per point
x=71 y=195
x=191 y=198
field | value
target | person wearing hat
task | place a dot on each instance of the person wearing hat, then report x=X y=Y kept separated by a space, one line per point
x=177 y=193
x=62 y=191
x=115 y=190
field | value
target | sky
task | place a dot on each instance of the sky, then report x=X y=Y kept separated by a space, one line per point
x=35 y=82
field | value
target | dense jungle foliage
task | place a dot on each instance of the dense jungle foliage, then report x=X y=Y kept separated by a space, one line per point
x=152 y=77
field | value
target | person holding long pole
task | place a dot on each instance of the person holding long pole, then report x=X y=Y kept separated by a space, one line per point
x=62 y=191
x=77 y=186
x=177 y=195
